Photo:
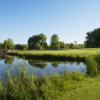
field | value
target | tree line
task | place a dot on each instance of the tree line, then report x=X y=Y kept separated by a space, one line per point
x=39 y=42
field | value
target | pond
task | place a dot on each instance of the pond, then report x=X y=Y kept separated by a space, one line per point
x=40 y=66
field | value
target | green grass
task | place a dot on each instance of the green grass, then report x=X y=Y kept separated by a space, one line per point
x=62 y=52
x=86 y=90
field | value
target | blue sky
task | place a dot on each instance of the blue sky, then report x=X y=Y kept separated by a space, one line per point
x=70 y=19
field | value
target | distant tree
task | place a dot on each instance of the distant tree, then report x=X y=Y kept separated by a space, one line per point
x=62 y=45
x=25 y=46
x=21 y=46
x=67 y=46
x=37 y=40
x=81 y=45
x=71 y=45
x=18 y=46
x=8 y=44
x=55 y=41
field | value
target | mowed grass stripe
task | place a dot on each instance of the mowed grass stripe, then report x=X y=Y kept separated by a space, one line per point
x=61 y=52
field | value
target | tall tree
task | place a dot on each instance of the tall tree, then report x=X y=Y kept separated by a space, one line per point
x=8 y=44
x=55 y=41
x=93 y=39
x=42 y=39
x=37 y=41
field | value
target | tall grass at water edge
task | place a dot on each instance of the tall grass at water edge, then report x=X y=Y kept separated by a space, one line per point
x=25 y=85
x=91 y=65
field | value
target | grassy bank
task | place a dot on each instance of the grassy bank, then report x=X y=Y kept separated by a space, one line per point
x=68 y=51
x=70 y=54
x=23 y=84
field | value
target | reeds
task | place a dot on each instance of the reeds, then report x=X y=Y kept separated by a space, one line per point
x=23 y=84
x=92 y=66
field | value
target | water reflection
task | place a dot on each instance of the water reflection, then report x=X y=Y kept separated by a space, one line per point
x=55 y=64
x=9 y=59
x=40 y=66
x=71 y=63
x=2 y=56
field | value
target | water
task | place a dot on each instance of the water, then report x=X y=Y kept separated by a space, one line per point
x=40 y=66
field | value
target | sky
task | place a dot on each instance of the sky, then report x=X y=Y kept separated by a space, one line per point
x=69 y=19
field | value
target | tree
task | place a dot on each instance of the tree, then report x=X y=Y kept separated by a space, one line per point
x=71 y=45
x=81 y=45
x=42 y=39
x=93 y=39
x=67 y=46
x=38 y=46
x=8 y=44
x=1 y=45
x=21 y=46
x=37 y=40
x=55 y=41
x=62 y=44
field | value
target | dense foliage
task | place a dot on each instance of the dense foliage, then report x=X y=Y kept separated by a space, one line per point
x=93 y=39
x=55 y=41
x=62 y=44
x=37 y=41
x=8 y=44
x=21 y=47
x=1 y=45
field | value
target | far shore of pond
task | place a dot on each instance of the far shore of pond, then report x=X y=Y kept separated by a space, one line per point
x=69 y=54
